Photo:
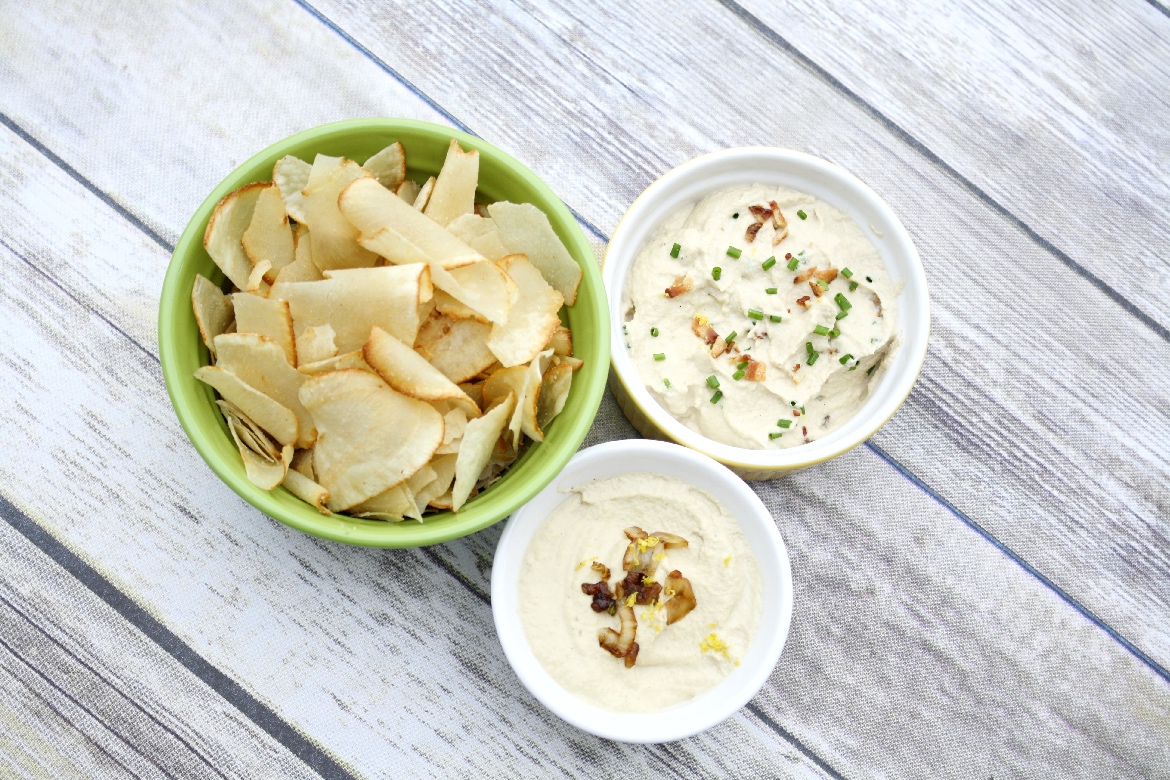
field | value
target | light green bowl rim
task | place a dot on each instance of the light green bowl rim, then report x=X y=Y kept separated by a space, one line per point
x=178 y=341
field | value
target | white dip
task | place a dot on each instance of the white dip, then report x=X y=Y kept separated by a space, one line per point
x=813 y=399
x=674 y=663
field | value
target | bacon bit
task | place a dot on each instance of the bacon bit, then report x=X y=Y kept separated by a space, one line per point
x=828 y=275
x=752 y=230
x=776 y=239
x=682 y=600
x=796 y=368
x=719 y=347
x=603 y=598
x=756 y=371
x=796 y=413
x=681 y=285
x=803 y=301
x=804 y=429
x=877 y=302
x=816 y=288
x=761 y=213
x=778 y=220
x=804 y=276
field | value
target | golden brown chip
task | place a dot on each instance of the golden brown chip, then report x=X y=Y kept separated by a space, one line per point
x=554 y=391
x=482 y=286
x=251 y=434
x=291 y=175
x=561 y=342
x=393 y=505
x=315 y=344
x=532 y=319
x=256 y=281
x=213 y=310
x=444 y=469
x=307 y=490
x=268 y=317
x=409 y=372
x=229 y=220
x=261 y=364
x=479 y=439
x=334 y=239
x=388 y=166
x=262 y=472
x=302 y=268
x=349 y=360
x=454 y=191
x=524 y=229
x=408 y=191
x=279 y=421
x=452 y=308
x=458 y=348
x=370 y=438
x=269 y=239
x=303 y=462
x=424 y=194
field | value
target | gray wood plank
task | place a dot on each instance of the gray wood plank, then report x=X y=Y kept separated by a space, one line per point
x=381 y=655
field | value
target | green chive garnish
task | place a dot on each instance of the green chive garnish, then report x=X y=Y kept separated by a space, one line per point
x=775 y=317
x=869 y=279
x=846 y=273
x=660 y=356
x=666 y=382
x=675 y=249
x=712 y=381
x=755 y=314
x=846 y=359
x=770 y=290
x=743 y=364
x=771 y=261
x=792 y=264
x=821 y=330
x=654 y=331
x=733 y=252
x=852 y=286
x=792 y=403
x=801 y=214
x=784 y=423
x=715 y=398
x=834 y=333
x=808 y=347
x=871 y=369
x=716 y=272
x=775 y=435
x=842 y=315
x=738 y=375
x=812 y=358
x=731 y=337
x=802 y=409
x=735 y=215
x=843 y=302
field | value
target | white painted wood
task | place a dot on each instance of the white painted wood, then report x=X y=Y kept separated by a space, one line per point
x=1065 y=466
x=387 y=660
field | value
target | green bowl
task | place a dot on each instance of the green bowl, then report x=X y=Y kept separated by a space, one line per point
x=501 y=177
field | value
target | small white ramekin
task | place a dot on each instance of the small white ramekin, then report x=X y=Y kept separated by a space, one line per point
x=707 y=709
x=709 y=173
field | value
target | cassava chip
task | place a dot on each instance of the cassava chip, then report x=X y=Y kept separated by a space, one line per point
x=391 y=505
x=262 y=472
x=388 y=166
x=396 y=231
x=277 y=420
x=454 y=192
x=532 y=319
x=213 y=310
x=269 y=237
x=370 y=438
x=349 y=360
x=458 y=348
x=291 y=175
x=268 y=317
x=483 y=287
x=356 y=300
x=561 y=342
x=450 y=307
x=444 y=470
x=334 y=239
x=524 y=229
x=409 y=372
x=480 y=234
x=256 y=282
x=408 y=191
x=479 y=439
x=454 y=423
x=302 y=268
x=315 y=344
x=251 y=434
x=303 y=462
x=528 y=409
x=554 y=390
x=424 y=194
x=226 y=227
x=260 y=363
x=307 y=490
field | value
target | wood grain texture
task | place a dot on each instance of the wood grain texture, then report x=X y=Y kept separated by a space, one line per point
x=381 y=655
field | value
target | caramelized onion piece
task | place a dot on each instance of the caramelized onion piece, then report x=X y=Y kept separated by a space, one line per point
x=619 y=644
x=601 y=569
x=632 y=655
x=671 y=541
x=682 y=599
x=634 y=533
x=644 y=593
x=603 y=599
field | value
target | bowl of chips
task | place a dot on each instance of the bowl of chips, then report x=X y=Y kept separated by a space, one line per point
x=384 y=332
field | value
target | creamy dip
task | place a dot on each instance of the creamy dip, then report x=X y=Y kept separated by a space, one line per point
x=776 y=315
x=675 y=662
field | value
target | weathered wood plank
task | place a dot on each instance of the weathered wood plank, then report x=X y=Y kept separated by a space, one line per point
x=381 y=655
x=145 y=710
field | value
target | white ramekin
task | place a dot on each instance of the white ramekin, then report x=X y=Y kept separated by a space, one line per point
x=716 y=704
x=709 y=173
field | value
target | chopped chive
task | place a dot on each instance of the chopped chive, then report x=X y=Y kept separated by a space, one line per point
x=770 y=290
x=733 y=252
x=820 y=330
x=834 y=333
x=775 y=435
x=845 y=359
x=842 y=315
x=775 y=318
x=731 y=337
x=822 y=284
x=660 y=356
x=808 y=347
x=800 y=213
x=853 y=367
x=784 y=423
x=675 y=249
x=852 y=286
x=666 y=382
x=843 y=302
x=792 y=264
x=802 y=409
x=871 y=369
x=735 y=215
x=715 y=398
x=812 y=358
x=846 y=273
x=869 y=279
x=712 y=381
x=743 y=364
x=654 y=331
x=716 y=272
x=771 y=261
x=738 y=375
x=792 y=403
x=755 y=314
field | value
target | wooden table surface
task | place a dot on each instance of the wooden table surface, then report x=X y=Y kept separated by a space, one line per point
x=982 y=590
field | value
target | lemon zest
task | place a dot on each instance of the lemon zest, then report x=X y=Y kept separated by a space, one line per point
x=648 y=543
x=727 y=561
x=582 y=564
x=712 y=643
x=647 y=580
x=631 y=599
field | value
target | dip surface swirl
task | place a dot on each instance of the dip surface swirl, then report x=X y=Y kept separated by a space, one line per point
x=676 y=662
x=826 y=294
